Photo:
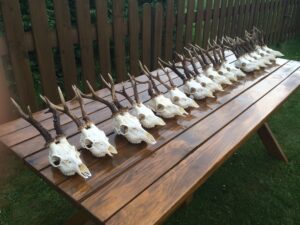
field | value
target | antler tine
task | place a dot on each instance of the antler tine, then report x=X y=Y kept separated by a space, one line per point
x=29 y=118
x=95 y=97
x=111 y=86
x=56 y=117
x=157 y=77
x=80 y=100
x=193 y=63
x=150 y=89
x=125 y=94
x=134 y=86
x=173 y=67
x=168 y=74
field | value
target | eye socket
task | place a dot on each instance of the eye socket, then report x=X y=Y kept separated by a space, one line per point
x=124 y=129
x=220 y=72
x=160 y=107
x=193 y=90
x=211 y=76
x=228 y=69
x=88 y=143
x=55 y=161
x=141 y=117
x=176 y=99
x=203 y=84
x=243 y=64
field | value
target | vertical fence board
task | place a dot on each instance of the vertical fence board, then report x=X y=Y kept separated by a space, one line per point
x=103 y=36
x=17 y=50
x=235 y=18
x=199 y=21
x=119 y=39
x=190 y=17
x=134 y=28
x=216 y=18
x=207 y=23
x=6 y=107
x=40 y=29
x=180 y=23
x=227 y=29
x=86 y=42
x=157 y=45
x=279 y=20
x=223 y=18
x=241 y=17
x=248 y=15
x=257 y=13
x=65 y=44
x=146 y=34
x=169 y=30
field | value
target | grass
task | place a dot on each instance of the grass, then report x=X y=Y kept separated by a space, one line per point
x=250 y=188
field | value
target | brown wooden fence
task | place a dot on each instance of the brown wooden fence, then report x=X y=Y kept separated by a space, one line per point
x=119 y=36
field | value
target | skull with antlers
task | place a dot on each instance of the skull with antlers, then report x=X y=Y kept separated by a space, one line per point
x=91 y=137
x=207 y=69
x=176 y=96
x=62 y=154
x=190 y=85
x=124 y=123
x=146 y=116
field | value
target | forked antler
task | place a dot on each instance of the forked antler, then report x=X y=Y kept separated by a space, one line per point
x=29 y=118
x=78 y=96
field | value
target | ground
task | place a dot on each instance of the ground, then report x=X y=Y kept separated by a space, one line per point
x=250 y=188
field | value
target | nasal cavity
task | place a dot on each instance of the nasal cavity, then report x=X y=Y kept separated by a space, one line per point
x=88 y=143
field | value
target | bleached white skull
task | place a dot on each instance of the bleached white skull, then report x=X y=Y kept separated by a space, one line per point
x=65 y=157
x=228 y=74
x=209 y=83
x=246 y=65
x=272 y=52
x=196 y=90
x=266 y=55
x=260 y=63
x=179 y=98
x=212 y=74
x=95 y=140
x=146 y=116
x=164 y=107
x=130 y=127
x=230 y=67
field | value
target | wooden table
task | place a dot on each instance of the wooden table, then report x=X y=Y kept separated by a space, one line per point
x=143 y=184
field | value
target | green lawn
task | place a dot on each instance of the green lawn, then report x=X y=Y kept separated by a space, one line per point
x=250 y=188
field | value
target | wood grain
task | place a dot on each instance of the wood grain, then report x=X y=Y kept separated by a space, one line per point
x=155 y=203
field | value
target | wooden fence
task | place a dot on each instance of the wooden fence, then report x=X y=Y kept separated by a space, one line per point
x=120 y=35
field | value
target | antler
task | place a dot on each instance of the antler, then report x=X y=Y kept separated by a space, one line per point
x=29 y=118
x=64 y=109
x=174 y=68
x=168 y=75
x=134 y=86
x=95 y=97
x=111 y=86
x=191 y=60
x=145 y=69
x=125 y=94
x=80 y=100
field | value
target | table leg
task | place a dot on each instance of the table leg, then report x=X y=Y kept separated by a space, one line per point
x=270 y=142
x=80 y=218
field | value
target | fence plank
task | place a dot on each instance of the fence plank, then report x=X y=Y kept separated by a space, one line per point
x=199 y=23
x=103 y=37
x=40 y=29
x=190 y=17
x=157 y=45
x=180 y=23
x=223 y=18
x=146 y=35
x=248 y=15
x=6 y=113
x=119 y=39
x=86 y=41
x=169 y=29
x=207 y=23
x=229 y=14
x=65 y=44
x=19 y=58
x=134 y=28
x=235 y=18
x=215 y=20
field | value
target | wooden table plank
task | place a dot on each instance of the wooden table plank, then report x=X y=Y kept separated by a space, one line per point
x=161 y=198
x=108 y=199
